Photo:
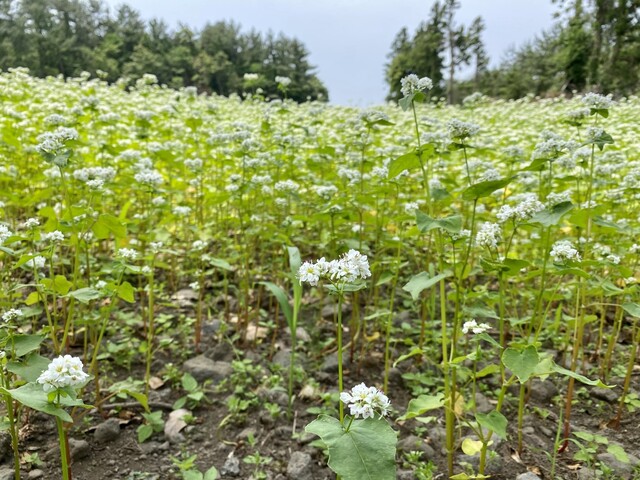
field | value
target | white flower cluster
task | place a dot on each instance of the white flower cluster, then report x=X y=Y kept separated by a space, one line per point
x=53 y=237
x=36 y=262
x=563 y=250
x=4 y=233
x=560 y=197
x=411 y=207
x=287 y=186
x=64 y=371
x=181 y=210
x=194 y=164
x=251 y=77
x=475 y=327
x=597 y=101
x=149 y=177
x=94 y=173
x=412 y=84
x=31 y=223
x=349 y=268
x=54 y=142
x=527 y=208
x=127 y=253
x=461 y=130
x=366 y=401
x=489 y=235
x=284 y=81
x=12 y=314
x=552 y=148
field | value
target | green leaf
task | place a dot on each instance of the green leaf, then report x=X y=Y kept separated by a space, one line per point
x=220 y=263
x=414 y=351
x=471 y=447
x=618 y=452
x=484 y=189
x=488 y=370
x=85 y=295
x=408 y=161
x=32 y=299
x=140 y=397
x=451 y=224
x=632 y=309
x=192 y=475
x=282 y=300
x=126 y=292
x=23 y=344
x=521 y=362
x=294 y=260
x=494 y=421
x=366 y=452
x=422 y=281
x=107 y=225
x=551 y=216
x=189 y=383
x=581 y=378
x=211 y=474
x=144 y=433
x=422 y=404
x=33 y=396
x=30 y=368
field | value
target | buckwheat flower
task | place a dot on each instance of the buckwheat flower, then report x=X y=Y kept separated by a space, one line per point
x=127 y=253
x=475 y=327
x=309 y=273
x=411 y=207
x=597 y=101
x=37 y=262
x=156 y=246
x=635 y=248
x=198 y=245
x=365 y=402
x=193 y=164
x=149 y=177
x=556 y=198
x=31 y=223
x=489 y=235
x=146 y=270
x=95 y=184
x=359 y=262
x=64 y=371
x=284 y=81
x=356 y=228
x=251 y=77
x=4 y=233
x=528 y=207
x=53 y=237
x=181 y=211
x=100 y=285
x=412 y=84
x=563 y=251
x=158 y=201
x=631 y=280
x=464 y=233
x=11 y=315
x=615 y=259
x=461 y=130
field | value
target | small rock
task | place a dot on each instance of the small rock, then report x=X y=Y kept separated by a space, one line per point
x=245 y=434
x=107 y=431
x=586 y=474
x=221 y=352
x=186 y=297
x=203 y=368
x=5 y=445
x=7 y=473
x=606 y=394
x=412 y=442
x=34 y=474
x=301 y=335
x=621 y=469
x=528 y=476
x=404 y=475
x=482 y=403
x=231 y=467
x=437 y=435
x=79 y=449
x=300 y=467
x=330 y=364
x=282 y=358
x=274 y=395
x=543 y=391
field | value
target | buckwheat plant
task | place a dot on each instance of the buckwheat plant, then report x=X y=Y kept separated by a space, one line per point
x=365 y=446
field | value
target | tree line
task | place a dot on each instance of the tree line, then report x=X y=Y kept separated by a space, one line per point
x=593 y=45
x=67 y=37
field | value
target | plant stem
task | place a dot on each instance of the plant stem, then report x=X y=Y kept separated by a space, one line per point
x=64 y=457
x=339 y=333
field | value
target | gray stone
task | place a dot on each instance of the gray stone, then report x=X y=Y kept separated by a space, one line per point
x=231 y=467
x=186 y=297
x=412 y=442
x=5 y=445
x=223 y=351
x=79 y=449
x=282 y=358
x=175 y=424
x=586 y=474
x=34 y=474
x=528 y=476
x=330 y=363
x=300 y=467
x=404 y=475
x=437 y=435
x=7 y=473
x=606 y=394
x=274 y=395
x=107 y=431
x=543 y=391
x=482 y=403
x=246 y=434
x=624 y=470
x=301 y=335
x=203 y=368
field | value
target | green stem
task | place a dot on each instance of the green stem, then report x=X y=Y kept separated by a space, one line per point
x=340 y=384
x=62 y=437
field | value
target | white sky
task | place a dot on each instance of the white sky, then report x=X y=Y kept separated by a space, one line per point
x=349 y=40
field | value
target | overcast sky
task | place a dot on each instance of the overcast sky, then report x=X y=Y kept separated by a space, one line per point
x=349 y=40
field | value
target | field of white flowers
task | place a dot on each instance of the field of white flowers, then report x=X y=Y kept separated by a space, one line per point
x=475 y=265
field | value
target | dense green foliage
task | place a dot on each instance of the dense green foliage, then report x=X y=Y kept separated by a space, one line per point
x=593 y=45
x=52 y=37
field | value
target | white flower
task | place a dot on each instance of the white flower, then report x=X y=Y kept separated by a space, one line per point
x=475 y=327
x=100 y=285
x=563 y=250
x=64 y=371
x=31 y=223
x=366 y=401
x=461 y=130
x=37 y=262
x=412 y=84
x=181 y=211
x=127 y=253
x=615 y=259
x=149 y=177
x=12 y=314
x=350 y=267
x=4 y=233
x=250 y=77
x=489 y=235
x=411 y=207
x=309 y=273
x=53 y=237
x=284 y=81
x=597 y=101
